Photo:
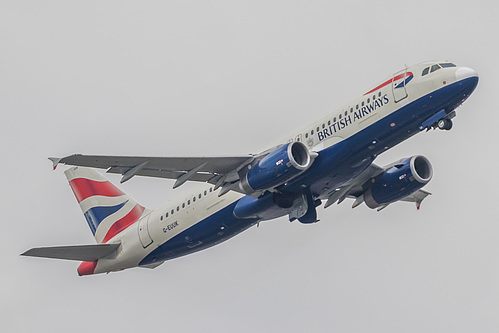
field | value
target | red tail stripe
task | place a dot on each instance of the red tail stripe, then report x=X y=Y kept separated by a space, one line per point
x=87 y=268
x=124 y=222
x=84 y=188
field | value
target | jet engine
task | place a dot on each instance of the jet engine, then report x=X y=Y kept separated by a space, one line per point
x=398 y=182
x=278 y=167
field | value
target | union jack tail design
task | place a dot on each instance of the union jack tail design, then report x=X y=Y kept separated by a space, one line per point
x=106 y=208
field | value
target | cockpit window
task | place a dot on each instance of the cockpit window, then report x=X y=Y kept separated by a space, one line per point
x=434 y=68
x=448 y=64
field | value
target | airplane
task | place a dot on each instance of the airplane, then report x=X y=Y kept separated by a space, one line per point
x=328 y=160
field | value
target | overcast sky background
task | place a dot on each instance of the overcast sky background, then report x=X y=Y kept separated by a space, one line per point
x=165 y=78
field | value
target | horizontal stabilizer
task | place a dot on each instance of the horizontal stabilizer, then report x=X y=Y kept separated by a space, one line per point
x=75 y=252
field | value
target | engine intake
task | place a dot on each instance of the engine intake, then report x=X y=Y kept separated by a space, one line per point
x=278 y=167
x=398 y=182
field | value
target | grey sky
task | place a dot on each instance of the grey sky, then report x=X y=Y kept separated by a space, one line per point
x=228 y=77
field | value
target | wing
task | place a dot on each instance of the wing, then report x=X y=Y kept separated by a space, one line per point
x=355 y=188
x=215 y=170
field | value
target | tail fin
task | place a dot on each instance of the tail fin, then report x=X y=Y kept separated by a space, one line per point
x=106 y=208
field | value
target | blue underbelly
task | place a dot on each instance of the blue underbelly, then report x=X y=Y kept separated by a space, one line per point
x=211 y=231
x=348 y=158
x=334 y=166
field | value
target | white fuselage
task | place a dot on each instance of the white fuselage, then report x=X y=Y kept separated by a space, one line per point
x=179 y=215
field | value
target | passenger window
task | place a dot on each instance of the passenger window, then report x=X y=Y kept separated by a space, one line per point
x=183 y=205
x=306 y=135
x=312 y=132
x=318 y=129
x=166 y=214
x=425 y=71
x=346 y=113
x=362 y=103
x=205 y=192
x=351 y=110
x=434 y=68
x=334 y=120
x=193 y=199
x=379 y=94
x=368 y=100
x=323 y=126
x=173 y=211
x=329 y=122
x=211 y=189
x=339 y=116
x=374 y=97
x=357 y=106
x=200 y=195
x=178 y=208
x=161 y=218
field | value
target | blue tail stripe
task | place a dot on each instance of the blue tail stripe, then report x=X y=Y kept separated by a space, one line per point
x=95 y=215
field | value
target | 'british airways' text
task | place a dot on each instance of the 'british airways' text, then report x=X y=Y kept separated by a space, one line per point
x=351 y=118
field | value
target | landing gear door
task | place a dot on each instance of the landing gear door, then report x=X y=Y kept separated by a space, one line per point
x=399 y=86
x=144 y=236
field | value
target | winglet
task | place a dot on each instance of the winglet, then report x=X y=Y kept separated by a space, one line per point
x=55 y=161
x=419 y=196
x=420 y=200
x=380 y=208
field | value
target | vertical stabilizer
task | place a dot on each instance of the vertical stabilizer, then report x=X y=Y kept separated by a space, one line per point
x=106 y=208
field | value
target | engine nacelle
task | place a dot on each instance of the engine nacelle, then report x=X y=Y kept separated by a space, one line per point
x=398 y=182
x=278 y=167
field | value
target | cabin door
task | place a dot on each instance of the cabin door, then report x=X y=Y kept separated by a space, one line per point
x=399 y=86
x=144 y=236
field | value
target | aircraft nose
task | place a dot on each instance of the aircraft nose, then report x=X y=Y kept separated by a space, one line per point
x=464 y=73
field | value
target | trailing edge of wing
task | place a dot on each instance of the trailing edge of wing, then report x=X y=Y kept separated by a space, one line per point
x=74 y=252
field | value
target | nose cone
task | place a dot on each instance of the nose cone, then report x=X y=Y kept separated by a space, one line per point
x=465 y=73
x=466 y=82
